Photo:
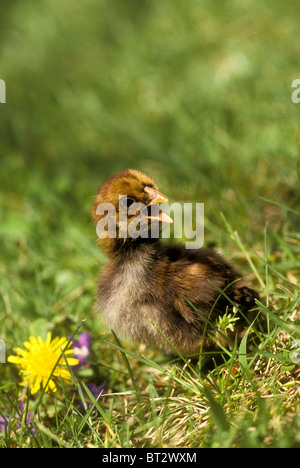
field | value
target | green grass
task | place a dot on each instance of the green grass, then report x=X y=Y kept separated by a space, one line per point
x=197 y=94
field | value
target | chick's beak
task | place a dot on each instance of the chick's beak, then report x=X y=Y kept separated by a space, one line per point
x=157 y=197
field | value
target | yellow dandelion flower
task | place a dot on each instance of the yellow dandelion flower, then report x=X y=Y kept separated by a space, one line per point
x=38 y=360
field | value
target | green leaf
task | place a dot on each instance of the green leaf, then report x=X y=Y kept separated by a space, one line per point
x=243 y=355
x=217 y=412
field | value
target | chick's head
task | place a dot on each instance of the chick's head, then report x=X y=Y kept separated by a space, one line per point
x=126 y=209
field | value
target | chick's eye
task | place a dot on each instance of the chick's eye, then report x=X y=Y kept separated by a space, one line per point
x=126 y=202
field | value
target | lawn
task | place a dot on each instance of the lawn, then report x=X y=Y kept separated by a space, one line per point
x=198 y=95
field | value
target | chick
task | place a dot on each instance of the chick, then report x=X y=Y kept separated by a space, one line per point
x=156 y=292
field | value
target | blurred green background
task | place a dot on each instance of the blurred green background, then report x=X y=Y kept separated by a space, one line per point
x=196 y=93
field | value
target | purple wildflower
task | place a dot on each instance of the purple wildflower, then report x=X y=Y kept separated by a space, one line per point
x=5 y=420
x=82 y=349
x=97 y=391
x=28 y=417
x=3 y=423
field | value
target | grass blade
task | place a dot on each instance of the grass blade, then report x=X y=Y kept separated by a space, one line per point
x=128 y=367
x=217 y=412
x=235 y=236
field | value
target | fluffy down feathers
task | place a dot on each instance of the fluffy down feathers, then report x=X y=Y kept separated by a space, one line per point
x=148 y=285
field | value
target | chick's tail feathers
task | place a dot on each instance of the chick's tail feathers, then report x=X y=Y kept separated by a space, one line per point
x=244 y=297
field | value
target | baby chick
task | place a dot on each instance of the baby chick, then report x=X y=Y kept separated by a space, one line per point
x=149 y=285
